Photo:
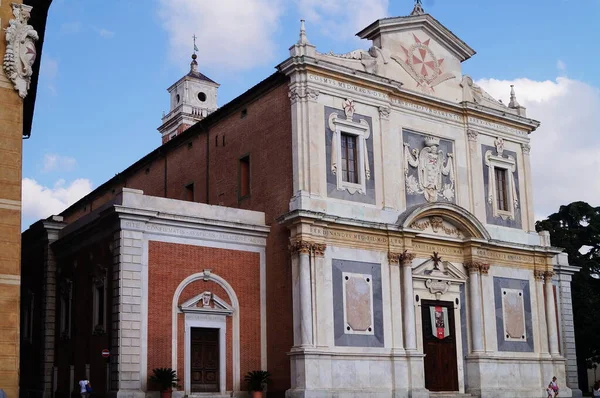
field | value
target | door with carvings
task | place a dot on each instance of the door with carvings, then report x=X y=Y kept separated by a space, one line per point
x=439 y=346
x=204 y=360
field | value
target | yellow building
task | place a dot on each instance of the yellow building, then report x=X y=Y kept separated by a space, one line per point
x=23 y=24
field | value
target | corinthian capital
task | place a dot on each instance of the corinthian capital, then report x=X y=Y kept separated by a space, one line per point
x=539 y=275
x=475 y=266
x=526 y=148
x=300 y=247
x=319 y=249
x=406 y=258
x=472 y=135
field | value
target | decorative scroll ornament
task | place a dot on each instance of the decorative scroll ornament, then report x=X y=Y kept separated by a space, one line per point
x=437 y=287
x=429 y=163
x=20 y=49
x=422 y=65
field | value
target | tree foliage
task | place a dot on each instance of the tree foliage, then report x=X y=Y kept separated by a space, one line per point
x=576 y=228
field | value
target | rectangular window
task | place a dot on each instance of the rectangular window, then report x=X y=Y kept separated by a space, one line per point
x=189 y=192
x=501 y=189
x=349 y=159
x=99 y=314
x=244 y=177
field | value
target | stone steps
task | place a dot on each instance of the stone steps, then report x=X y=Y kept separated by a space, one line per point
x=449 y=394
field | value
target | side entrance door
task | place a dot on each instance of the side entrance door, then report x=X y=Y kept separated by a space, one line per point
x=439 y=346
x=204 y=360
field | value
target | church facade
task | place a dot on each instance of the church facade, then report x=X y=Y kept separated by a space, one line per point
x=358 y=224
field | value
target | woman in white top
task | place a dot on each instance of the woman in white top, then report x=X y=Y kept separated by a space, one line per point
x=83 y=385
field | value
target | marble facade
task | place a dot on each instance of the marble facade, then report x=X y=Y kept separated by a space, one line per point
x=428 y=227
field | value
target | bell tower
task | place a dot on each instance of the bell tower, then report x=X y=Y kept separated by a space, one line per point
x=193 y=97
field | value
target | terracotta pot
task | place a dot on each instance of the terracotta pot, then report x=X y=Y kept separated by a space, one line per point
x=257 y=394
x=166 y=394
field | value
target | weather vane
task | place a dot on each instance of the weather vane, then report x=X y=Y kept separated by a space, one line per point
x=195 y=47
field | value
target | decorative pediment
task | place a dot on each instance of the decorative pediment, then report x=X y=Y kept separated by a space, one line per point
x=207 y=302
x=437 y=225
x=443 y=270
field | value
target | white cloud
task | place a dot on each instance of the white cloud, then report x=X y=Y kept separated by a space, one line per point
x=342 y=19
x=232 y=34
x=565 y=150
x=70 y=27
x=54 y=162
x=107 y=34
x=48 y=72
x=41 y=202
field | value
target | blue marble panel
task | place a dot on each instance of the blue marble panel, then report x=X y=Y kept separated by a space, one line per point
x=503 y=344
x=357 y=340
x=332 y=191
x=489 y=210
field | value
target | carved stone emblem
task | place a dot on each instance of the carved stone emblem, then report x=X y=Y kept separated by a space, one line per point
x=437 y=287
x=430 y=166
x=20 y=49
x=423 y=65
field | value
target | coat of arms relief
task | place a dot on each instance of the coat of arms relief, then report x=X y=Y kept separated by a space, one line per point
x=432 y=165
x=20 y=49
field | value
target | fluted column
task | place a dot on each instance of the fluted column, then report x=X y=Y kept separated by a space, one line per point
x=551 y=314
x=475 y=306
x=408 y=307
x=302 y=249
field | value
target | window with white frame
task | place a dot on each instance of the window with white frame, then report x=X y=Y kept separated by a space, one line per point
x=99 y=310
x=502 y=190
x=349 y=155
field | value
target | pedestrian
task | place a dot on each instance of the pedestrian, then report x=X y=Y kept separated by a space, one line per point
x=554 y=386
x=596 y=389
x=85 y=387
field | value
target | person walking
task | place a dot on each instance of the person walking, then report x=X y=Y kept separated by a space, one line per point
x=596 y=389
x=85 y=387
x=554 y=387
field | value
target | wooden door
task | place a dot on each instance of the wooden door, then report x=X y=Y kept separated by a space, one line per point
x=439 y=346
x=204 y=360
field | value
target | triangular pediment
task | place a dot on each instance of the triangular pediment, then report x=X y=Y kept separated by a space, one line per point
x=207 y=302
x=444 y=270
x=385 y=28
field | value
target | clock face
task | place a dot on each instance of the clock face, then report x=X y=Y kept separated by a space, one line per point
x=201 y=96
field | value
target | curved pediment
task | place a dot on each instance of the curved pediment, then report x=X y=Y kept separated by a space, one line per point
x=443 y=219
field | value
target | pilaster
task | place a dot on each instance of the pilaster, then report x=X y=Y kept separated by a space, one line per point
x=408 y=305
x=477 y=326
x=551 y=315
x=543 y=328
x=564 y=273
x=476 y=182
x=396 y=300
x=530 y=224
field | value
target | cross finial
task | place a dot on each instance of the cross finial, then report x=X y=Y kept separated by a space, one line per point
x=418 y=10
x=436 y=260
x=195 y=48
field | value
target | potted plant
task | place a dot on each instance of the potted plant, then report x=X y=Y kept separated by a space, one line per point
x=166 y=379
x=257 y=381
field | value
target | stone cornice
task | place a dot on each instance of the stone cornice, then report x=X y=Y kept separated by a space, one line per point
x=389 y=89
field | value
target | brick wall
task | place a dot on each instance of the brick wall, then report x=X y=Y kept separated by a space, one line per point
x=263 y=132
x=11 y=128
x=168 y=265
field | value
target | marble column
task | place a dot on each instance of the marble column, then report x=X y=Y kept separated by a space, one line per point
x=475 y=307
x=408 y=307
x=303 y=249
x=539 y=291
x=551 y=315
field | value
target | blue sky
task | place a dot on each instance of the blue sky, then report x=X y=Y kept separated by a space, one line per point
x=106 y=66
